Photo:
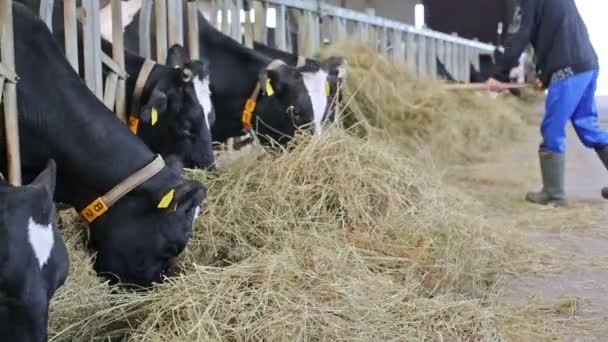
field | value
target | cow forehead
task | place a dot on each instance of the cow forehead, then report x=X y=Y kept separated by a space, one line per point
x=315 y=86
x=203 y=95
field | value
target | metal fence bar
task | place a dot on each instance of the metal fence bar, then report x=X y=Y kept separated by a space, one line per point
x=145 y=17
x=160 y=11
x=259 y=30
x=193 y=43
x=175 y=21
x=92 y=47
x=281 y=29
x=71 y=35
x=46 y=12
x=118 y=54
x=11 y=115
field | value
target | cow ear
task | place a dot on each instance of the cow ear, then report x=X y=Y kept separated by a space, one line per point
x=183 y=197
x=177 y=56
x=274 y=81
x=46 y=178
x=156 y=103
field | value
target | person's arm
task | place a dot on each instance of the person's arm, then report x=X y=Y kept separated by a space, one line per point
x=518 y=38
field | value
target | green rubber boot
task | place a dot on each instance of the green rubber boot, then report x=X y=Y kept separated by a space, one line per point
x=603 y=154
x=552 y=167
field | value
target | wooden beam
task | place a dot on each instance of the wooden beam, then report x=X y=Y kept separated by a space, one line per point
x=193 y=42
x=92 y=47
x=46 y=13
x=118 y=55
x=71 y=35
x=160 y=11
x=145 y=17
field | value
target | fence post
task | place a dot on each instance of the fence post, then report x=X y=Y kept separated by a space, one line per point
x=281 y=29
x=432 y=57
x=145 y=16
x=118 y=54
x=11 y=115
x=224 y=6
x=237 y=32
x=92 y=48
x=248 y=34
x=422 y=55
x=193 y=43
x=260 y=31
x=410 y=49
x=160 y=9
x=397 y=43
x=46 y=13
x=175 y=21
x=71 y=35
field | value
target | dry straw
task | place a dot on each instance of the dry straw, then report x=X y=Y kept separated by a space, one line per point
x=344 y=238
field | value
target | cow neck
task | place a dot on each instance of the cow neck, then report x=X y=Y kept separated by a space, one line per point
x=221 y=50
x=134 y=66
x=94 y=151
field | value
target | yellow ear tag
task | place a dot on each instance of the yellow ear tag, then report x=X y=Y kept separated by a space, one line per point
x=154 y=116
x=327 y=88
x=269 y=89
x=166 y=200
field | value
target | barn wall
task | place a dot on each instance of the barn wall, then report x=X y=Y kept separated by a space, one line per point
x=402 y=10
x=469 y=18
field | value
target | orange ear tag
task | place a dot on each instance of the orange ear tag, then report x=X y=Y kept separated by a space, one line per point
x=133 y=124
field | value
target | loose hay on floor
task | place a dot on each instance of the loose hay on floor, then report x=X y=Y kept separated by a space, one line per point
x=341 y=239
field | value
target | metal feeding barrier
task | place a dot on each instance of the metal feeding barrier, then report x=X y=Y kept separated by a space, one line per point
x=301 y=27
x=8 y=93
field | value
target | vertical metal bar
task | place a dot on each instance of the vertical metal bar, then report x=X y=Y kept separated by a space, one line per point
x=145 y=16
x=398 y=52
x=175 y=19
x=11 y=115
x=46 y=13
x=260 y=31
x=248 y=34
x=237 y=32
x=160 y=9
x=109 y=96
x=432 y=57
x=410 y=49
x=213 y=13
x=118 y=54
x=193 y=44
x=92 y=47
x=281 y=29
x=422 y=55
x=71 y=35
x=225 y=7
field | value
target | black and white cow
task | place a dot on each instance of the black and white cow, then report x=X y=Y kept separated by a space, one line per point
x=172 y=114
x=327 y=76
x=284 y=105
x=136 y=238
x=33 y=258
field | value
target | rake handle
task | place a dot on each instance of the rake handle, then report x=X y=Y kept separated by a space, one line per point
x=483 y=86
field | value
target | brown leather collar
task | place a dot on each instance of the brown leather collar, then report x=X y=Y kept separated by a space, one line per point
x=140 y=83
x=102 y=204
x=251 y=102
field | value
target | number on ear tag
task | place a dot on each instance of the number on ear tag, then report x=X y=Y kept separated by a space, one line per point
x=166 y=200
x=269 y=89
x=327 y=88
x=154 y=116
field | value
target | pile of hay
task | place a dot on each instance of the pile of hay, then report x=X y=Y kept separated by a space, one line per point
x=386 y=98
x=341 y=238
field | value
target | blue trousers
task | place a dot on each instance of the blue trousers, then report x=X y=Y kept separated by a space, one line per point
x=572 y=99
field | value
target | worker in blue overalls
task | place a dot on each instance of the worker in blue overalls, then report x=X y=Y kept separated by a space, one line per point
x=567 y=65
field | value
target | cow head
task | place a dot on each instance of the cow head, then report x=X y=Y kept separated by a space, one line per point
x=33 y=259
x=285 y=105
x=176 y=113
x=337 y=68
x=137 y=239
